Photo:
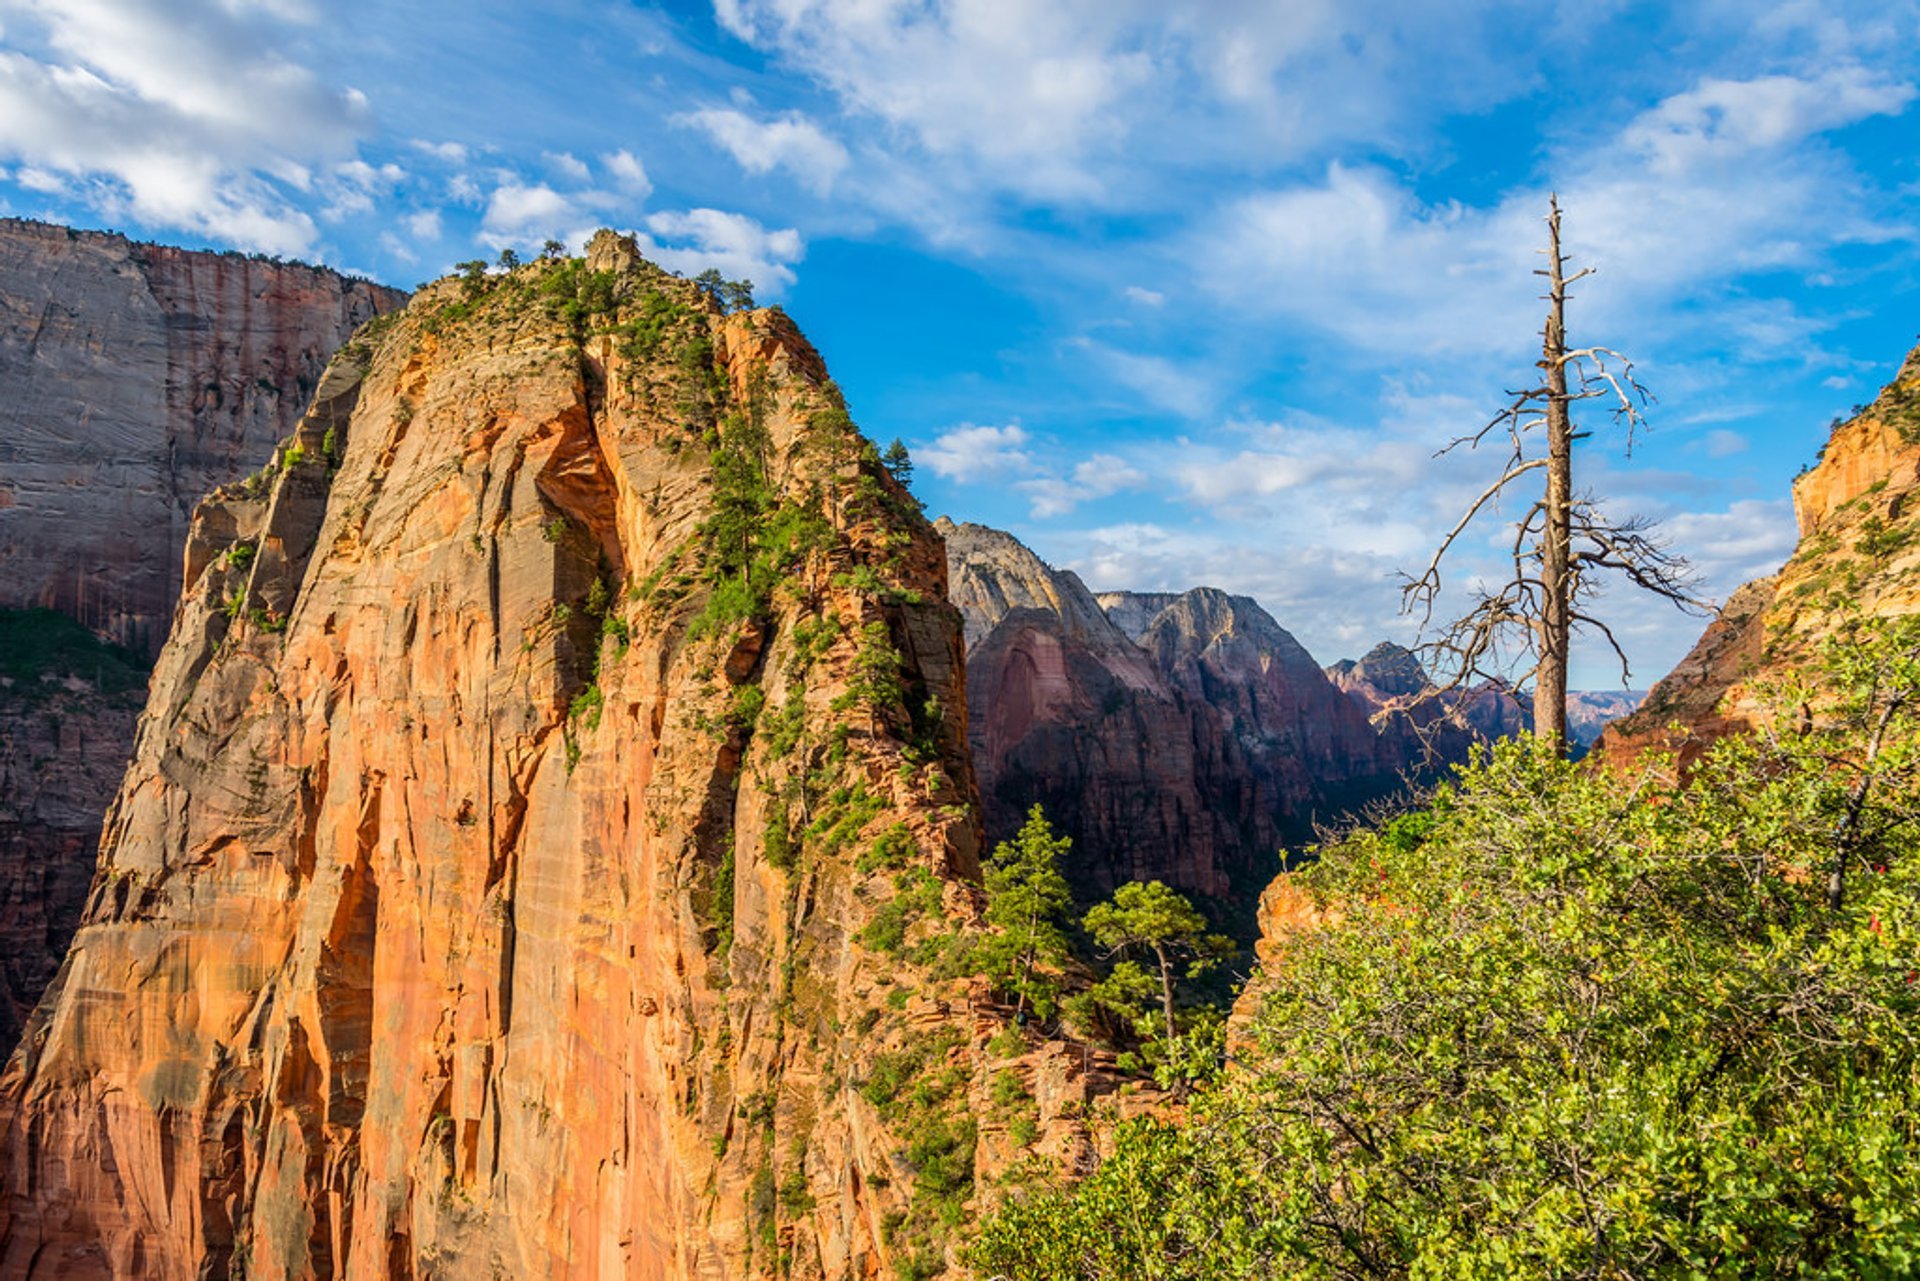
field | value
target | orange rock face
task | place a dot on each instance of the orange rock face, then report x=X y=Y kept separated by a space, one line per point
x=1859 y=555
x=488 y=896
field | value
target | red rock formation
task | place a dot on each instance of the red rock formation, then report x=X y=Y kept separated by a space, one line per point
x=1181 y=738
x=135 y=379
x=1426 y=729
x=447 y=928
x=67 y=711
x=1859 y=555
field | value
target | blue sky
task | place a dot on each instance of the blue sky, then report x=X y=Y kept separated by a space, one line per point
x=1179 y=291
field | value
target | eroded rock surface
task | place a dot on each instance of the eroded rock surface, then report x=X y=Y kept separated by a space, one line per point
x=1182 y=737
x=552 y=795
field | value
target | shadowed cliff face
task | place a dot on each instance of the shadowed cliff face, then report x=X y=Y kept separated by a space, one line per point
x=1426 y=728
x=550 y=795
x=1178 y=737
x=137 y=378
x=1859 y=555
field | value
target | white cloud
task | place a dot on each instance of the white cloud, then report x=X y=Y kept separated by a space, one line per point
x=181 y=114
x=1721 y=443
x=424 y=225
x=518 y=214
x=789 y=141
x=1730 y=119
x=1688 y=194
x=1164 y=383
x=451 y=152
x=568 y=166
x=970 y=453
x=354 y=186
x=738 y=246
x=1145 y=297
x=1099 y=476
x=629 y=173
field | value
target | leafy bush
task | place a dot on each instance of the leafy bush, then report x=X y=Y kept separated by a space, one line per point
x=1581 y=1025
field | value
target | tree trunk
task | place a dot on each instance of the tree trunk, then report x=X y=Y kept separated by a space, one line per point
x=1166 y=989
x=1556 y=611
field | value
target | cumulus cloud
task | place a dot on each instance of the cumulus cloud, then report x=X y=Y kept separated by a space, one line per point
x=1099 y=476
x=970 y=453
x=739 y=247
x=518 y=214
x=629 y=173
x=1725 y=178
x=788 y=141
x=182 y=114
x=568 y=166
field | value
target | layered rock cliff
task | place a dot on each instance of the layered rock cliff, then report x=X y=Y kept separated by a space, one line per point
x=553 y=796
x=1427 y=728
x=133 y=379
x=1858 y=511
x=1178 y=737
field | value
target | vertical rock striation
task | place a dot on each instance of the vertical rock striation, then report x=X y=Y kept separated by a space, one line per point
x=133 y=379
x=551 y=795
x=136 y=378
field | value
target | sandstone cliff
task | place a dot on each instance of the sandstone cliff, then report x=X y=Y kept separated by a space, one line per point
x=551 y=799
x=1858 y=555
x=133 y=379
x=1179 y=737
x=1427 y=728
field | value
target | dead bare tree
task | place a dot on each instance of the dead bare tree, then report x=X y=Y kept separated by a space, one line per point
x=1564 y=544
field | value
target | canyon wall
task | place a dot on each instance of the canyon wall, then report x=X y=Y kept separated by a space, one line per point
x=552 y=803
x=136 y=378
x=1183 y=737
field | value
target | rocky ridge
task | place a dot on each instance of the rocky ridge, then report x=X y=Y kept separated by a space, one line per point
x=551 y=798
x=1858 y=557
x=1180 y=737
x=133 y=379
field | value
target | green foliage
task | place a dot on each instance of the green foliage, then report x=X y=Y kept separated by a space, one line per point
x=241 y=555
x=42 y=644
x=891 y=850
x=920 y=1093
x=1028 y=906
x=1579 y=1025
x=898 y=462
x=1879 y=540
x=875 y=682
x=1150 y=919
x=731 y=295
x=753 y=538
x=587 y=706
x=916 y=895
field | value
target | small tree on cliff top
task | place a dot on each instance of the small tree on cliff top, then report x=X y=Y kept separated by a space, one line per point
x=1563 y=544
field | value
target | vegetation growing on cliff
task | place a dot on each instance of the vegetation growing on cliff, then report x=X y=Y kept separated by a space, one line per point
x=43 y=644
x=1568 y=1024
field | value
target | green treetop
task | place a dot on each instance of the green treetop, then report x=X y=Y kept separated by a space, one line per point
x=1149 y=917
x=1028 y=903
